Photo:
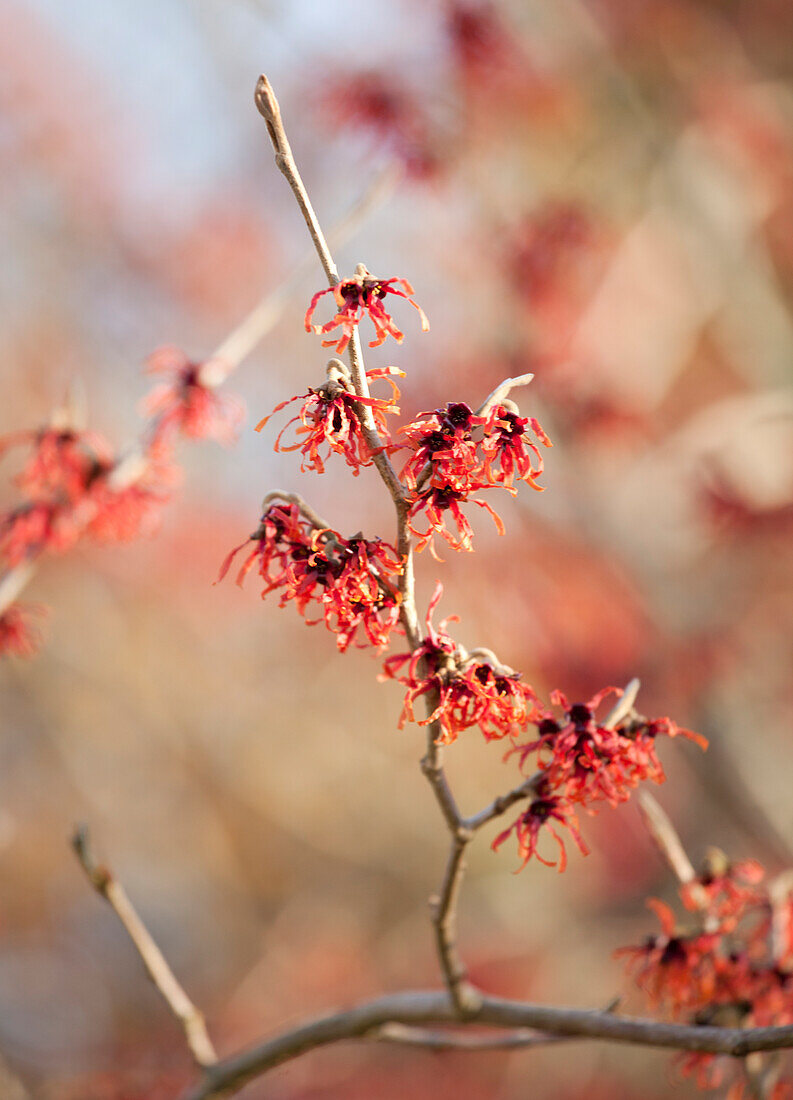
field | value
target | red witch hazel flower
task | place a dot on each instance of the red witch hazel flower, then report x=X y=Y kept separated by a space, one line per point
x=19 y=633
x=327 y=418
x=444 y=451
x=186 y=404
x=350 y=582
x=449 y=462
x=678 y=971
x=104 y=513
x=61 y=463
x=543 y=811
x=33 y=528
x=56 y=477
x=446 y=454
x=589 y=762
x=508 y=448
x=72 y=481
x=362 y=295
x=469 y=691
x=735 y=971
x=435 y=503
x=119 y=509
x=725 y=891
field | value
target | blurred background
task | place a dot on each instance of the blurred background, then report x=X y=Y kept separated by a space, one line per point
x=595 y=190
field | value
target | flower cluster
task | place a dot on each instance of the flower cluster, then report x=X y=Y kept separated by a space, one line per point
x=723 y=889
x=70 y=491
x=582 y=761
x=74 y=486
x=60 y=461
x=327 y=418
x=676 y=969
x=184 y=404
x=463 y=690
x=734 y=969
x=362 y=296
x=456 y=453
x=350 y=583
x=588 y=761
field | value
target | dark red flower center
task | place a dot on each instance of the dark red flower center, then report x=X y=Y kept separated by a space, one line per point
x=580 y=715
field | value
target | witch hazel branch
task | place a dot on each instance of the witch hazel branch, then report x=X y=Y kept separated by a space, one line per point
x=567 y=758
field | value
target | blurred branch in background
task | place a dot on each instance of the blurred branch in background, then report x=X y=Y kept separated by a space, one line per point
x=108 y=887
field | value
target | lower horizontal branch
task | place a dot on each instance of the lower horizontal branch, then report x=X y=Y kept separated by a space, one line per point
x=438 y=1039
x=430 y=1007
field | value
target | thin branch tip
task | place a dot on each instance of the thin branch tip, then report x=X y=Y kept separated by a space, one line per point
x=98 y=875
x=264 y=98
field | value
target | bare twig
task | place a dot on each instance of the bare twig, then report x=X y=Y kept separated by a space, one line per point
x=433 y=1008
x=665 y=837
x=669 y=844
x=482 y=653
x=13 y=582
x=270 y=111
x=431 y=766
x=624 y=705
x=249 y=333
x=159 y=971
x=305 y=508
x=444 y=918
x=501 y=804
x=502 y=390
x=780 y=892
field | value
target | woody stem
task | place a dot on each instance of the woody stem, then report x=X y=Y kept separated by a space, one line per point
x=432 y=766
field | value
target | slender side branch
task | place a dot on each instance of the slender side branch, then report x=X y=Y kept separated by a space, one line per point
x=780 y=890
x=13 y=582
x=624 y=705
x=501 y=804
x=466 y=998
x=666 y=838
x=432 y=1008
x=239 y=344
x=501 y=392
x=270 y=111
x=313 y=517
x=159 y=971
